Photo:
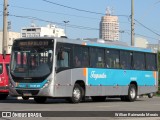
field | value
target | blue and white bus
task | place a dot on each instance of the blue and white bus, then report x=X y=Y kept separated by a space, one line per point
x=74 y=69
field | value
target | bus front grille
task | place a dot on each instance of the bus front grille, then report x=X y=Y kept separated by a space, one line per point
x=32 y=92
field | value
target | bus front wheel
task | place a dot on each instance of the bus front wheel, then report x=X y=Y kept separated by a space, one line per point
x=76 y=94
x=150 y=95
x=132 y=93
x=40 y=99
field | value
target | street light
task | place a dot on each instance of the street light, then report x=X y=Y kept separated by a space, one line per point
x=65 y=22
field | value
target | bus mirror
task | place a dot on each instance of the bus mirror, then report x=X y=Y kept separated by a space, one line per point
x=4 y=54
x=61 y=55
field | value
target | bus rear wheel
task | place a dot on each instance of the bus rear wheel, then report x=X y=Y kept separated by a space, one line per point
x=132 y=93
x=40 y=99
x=77 y=94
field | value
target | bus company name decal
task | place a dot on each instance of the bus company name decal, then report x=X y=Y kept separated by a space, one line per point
x=97 y=75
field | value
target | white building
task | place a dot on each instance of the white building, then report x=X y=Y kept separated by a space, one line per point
x=34 y=31
x=141 y=42
x=109 y=27
x=11 y=37
x=155 y=47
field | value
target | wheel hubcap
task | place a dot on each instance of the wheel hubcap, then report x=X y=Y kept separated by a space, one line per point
x=132 y=93
x=151 y=94
x=76 y=94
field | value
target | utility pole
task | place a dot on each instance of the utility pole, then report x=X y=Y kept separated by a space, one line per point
x=132 y=23
x=65 y=22
x=5 y=25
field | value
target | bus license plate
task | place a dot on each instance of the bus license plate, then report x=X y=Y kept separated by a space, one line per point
x=27 y=94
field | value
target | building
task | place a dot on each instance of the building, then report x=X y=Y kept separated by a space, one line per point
x=141 y=42
x=11 y=37
x=109 y=27
x=49 y=30
x=155 y=47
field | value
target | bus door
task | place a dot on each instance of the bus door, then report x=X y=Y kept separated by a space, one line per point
x=6 y=69
x=64 y=63
x=3 y=76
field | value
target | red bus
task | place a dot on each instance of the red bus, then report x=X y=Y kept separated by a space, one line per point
x=4 y=69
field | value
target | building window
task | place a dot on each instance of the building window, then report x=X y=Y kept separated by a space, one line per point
x=23 y=34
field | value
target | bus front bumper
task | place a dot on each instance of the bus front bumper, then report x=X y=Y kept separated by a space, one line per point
x=29 y=92
x=4 y=89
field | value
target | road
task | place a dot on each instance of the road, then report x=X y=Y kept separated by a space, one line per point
x=142 y=104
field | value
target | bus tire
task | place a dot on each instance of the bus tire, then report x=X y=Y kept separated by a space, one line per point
x=150 y=95
x=3 y=96
x=25 y=97
x=76 y=94
x=40 y=99
x=132 y=93
x=98 y=98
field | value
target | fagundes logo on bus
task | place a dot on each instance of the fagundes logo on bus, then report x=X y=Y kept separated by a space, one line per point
x=97 y=76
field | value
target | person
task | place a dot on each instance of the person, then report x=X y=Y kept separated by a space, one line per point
x=77 y=62
x=123 y=65
x=32 y=61
x=85 y=61
x=100 y=62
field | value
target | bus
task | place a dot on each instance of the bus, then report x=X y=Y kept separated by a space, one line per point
x=4 y=69
x=48 y=67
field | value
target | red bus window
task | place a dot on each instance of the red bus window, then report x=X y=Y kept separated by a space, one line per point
x=7 y=68
x=1 y=69
x=18 y=58
x=24 y=58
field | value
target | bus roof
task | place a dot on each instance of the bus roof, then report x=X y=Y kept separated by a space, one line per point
x=106 y=44
x=97 y=43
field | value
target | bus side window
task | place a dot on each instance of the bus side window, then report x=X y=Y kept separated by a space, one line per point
x=151 y=62
x=63 y=59
x=139 y=61
x=1 y=69
x=125 y=59
x=112 y=58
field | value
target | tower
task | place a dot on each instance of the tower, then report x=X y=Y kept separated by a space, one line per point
x=109 y=27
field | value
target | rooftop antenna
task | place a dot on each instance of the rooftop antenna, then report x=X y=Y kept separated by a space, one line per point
x=33 y=23
x=108 y=11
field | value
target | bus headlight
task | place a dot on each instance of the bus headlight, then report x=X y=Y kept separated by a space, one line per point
x=46 y=84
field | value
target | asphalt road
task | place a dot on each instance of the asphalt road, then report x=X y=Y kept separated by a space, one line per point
x=142 y=104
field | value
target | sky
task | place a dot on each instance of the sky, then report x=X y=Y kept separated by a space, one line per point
x=84 y=16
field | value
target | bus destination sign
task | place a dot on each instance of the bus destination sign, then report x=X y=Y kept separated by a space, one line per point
x=33 y=43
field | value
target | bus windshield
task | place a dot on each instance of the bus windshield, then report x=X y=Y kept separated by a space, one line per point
x=32 y=58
